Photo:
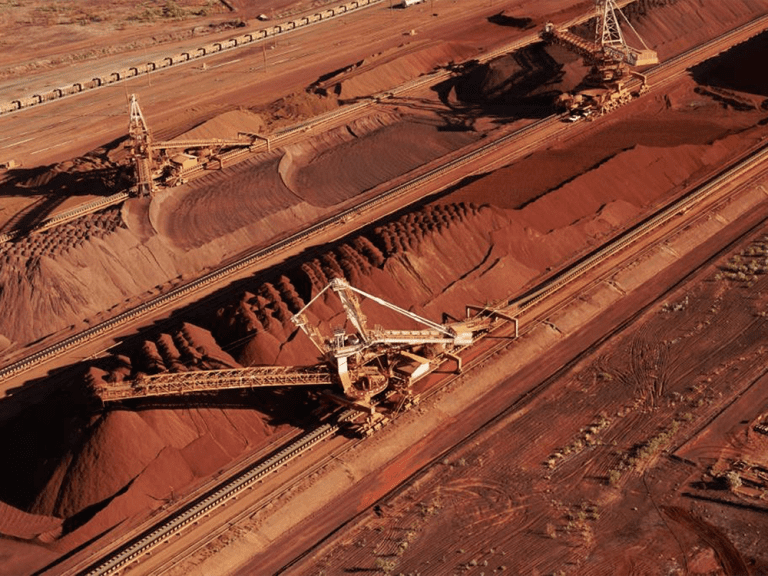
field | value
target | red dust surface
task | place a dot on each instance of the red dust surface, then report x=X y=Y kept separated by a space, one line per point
x=644 y=457
x=483 y=241
x=510 y=246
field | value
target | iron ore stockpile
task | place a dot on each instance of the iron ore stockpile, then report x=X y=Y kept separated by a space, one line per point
x=502 y=266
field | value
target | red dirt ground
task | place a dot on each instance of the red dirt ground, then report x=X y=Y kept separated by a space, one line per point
x=59 y=33
x=598 y=492
x=397 y=259
x=501 y=232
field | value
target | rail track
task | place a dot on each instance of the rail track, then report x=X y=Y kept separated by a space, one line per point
x=215 y=48
x=533 y=304
x=204 y=505
x=85 y=85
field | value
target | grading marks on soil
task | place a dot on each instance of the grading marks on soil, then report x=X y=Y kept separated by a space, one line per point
x=598 y=491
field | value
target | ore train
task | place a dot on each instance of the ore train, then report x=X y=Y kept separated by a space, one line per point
x=179 y=58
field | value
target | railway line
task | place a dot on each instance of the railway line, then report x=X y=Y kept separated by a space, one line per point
x=713 y=193
x=188 y=55
x=672 y=67
x=215 y=48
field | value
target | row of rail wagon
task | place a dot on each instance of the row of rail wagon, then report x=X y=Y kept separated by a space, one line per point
x=181 y=57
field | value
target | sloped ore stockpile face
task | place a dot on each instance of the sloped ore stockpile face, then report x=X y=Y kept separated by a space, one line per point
x=672 y=26
x=55 y=279
x=524 y=83
x=96 y=471
x=734 y=70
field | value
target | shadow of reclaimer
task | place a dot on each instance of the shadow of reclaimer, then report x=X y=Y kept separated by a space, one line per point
x=515 y=86
x=94 y=175
x=742 y=68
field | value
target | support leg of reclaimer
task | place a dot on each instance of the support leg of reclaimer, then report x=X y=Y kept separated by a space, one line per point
x=458 y=359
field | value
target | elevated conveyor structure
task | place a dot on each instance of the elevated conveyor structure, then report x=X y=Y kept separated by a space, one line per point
x=209 y=143
x=151 y=158
x=198 y=382
x=360 y=365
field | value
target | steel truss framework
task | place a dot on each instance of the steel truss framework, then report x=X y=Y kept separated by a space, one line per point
x=141 y=143
x=181 y=383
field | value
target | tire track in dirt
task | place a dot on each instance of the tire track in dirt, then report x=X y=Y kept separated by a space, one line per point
x=726 y=552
